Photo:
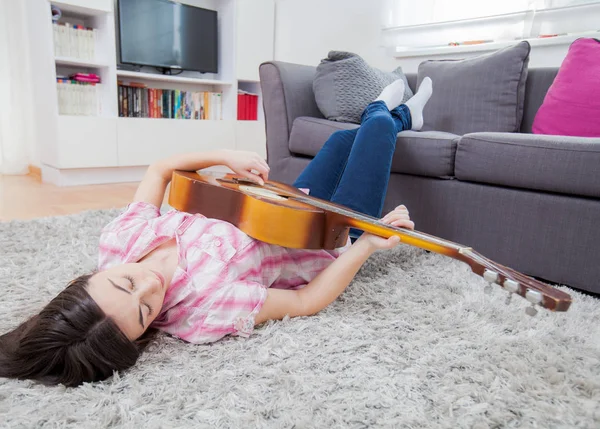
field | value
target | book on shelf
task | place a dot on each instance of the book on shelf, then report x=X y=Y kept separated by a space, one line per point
x=74 y=41
x=136 y=100
x=247 y=109
x=79 y=95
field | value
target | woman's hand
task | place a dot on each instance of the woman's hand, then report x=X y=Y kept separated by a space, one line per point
x=152 y=188
x=398 y=217
x=248 y=164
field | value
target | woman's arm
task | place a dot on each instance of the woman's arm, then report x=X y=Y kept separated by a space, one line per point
x=332 y=281
x=320 y=292
x=154 y=184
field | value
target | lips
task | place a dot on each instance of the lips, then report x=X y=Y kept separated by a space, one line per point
x=161 y=279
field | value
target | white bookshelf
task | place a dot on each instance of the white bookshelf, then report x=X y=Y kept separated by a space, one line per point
x=77 y=150
x=76 y=62
x=172 y=79
x=85 y=7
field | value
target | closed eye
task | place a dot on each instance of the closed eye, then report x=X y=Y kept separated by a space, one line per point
x=141 y=316
x=131 y=281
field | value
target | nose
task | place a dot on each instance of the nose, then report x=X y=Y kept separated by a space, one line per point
x=149 y=286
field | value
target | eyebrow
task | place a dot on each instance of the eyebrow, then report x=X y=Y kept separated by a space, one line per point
x=126 y=291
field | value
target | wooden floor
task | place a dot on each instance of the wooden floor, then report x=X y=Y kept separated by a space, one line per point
x=25 y=197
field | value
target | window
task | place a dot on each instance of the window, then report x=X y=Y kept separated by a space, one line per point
x=416 y=12
x=412 y=24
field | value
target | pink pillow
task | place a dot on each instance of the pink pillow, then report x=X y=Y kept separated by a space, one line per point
x=572 y=105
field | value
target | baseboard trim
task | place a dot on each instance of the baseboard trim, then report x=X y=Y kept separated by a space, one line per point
x=100 y=176
x=91 y=176
x=36 y=172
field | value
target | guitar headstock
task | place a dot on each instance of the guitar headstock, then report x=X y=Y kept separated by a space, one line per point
x=534 y=291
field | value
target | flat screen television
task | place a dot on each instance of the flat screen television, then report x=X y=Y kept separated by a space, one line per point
x=169 y=35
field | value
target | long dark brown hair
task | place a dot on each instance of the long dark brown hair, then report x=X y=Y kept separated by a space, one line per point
x=71 y=341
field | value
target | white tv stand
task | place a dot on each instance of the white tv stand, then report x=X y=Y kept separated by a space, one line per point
x=77 y=150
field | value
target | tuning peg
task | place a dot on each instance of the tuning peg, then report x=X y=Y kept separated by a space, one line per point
x=511 y=285
x=490 y=276
x=534 y=297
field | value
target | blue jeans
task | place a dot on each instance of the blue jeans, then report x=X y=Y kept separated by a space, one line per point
x=353 y=166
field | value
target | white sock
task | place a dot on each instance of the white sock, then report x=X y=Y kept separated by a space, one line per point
x=417 y=103
x=392 y=94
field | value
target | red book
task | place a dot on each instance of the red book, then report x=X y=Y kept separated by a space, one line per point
x=240 y=100
x=254 y=107
x=155 y=103
x=154 y=113
x=154 y=100
x=151 y=103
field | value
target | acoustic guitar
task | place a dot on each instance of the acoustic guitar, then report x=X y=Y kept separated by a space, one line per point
x=280 y=214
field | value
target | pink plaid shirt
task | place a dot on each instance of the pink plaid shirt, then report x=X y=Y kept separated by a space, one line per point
x=222 y=277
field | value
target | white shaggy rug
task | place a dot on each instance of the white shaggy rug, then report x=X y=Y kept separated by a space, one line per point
x=414 y=342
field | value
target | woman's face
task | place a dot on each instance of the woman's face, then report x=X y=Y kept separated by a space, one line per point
x=131 y=294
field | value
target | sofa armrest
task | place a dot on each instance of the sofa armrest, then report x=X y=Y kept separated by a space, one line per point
x=287 y=94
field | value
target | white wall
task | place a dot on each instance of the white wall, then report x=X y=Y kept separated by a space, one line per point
x=255 y=29
x=306 y=30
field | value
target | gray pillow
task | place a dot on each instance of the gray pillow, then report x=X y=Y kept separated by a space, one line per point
x=485 y=93
x=345 y=84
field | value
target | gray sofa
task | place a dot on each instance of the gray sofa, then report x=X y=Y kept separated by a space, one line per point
x=526 y=201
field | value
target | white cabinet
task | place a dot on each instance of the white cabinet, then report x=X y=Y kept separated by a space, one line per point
x=86 y=142
x=255 y=31
x=141 y=141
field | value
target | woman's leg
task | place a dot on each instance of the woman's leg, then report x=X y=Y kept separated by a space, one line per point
x=328 y=175
x=323 y=173
x=363 y=184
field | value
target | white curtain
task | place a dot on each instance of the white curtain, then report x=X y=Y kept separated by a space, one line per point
x=15 y=132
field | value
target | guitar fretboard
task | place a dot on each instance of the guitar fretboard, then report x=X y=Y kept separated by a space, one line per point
x=359 y=216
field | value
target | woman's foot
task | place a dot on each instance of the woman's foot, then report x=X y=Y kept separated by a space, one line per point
x=417 y=103
x=392 y=94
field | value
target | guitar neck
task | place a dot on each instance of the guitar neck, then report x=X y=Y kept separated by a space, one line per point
x=413 y=238
x=375 y=226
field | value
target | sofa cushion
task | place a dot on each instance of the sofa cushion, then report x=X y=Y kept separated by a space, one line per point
x=425 y=153
x=485 y=93
x=572 y=105
x=538 y=82
x=309 y=134
x=428 y=153
x=567 y=165
x=345 y=84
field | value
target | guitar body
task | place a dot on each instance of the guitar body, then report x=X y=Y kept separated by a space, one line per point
x=261 y=213
x=283 y=215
